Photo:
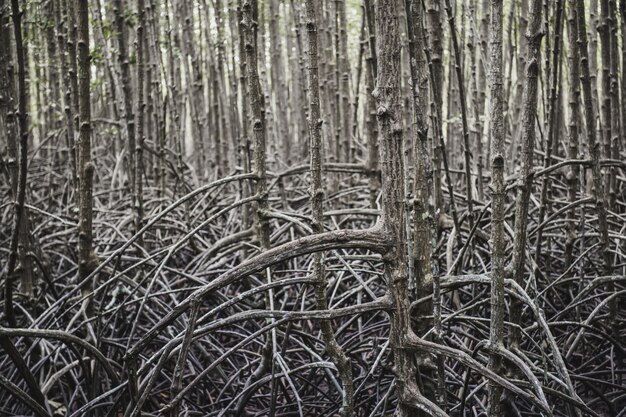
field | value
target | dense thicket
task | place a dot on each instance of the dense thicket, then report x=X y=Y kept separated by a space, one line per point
x=312 y=207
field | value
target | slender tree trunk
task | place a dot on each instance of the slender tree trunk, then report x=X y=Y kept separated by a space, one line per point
x=8 y=108
x=339 y=358
x=370 y=107
x=435 y=36
x=477 y=102
x=481 y=83
x=140 y=117
x=599 y=193
x=592 y=143
x=279 y=83
x=62 y=23
x=613 y=148
x=552 y=121
x=458 y=66
x=529 y=108
x=87 y=260
x=257 y=107
x=122 y=53
x=17 y=244
x=604 y=29
x=423 y=206
x=344 y=82
x=573 y=141
x=52 y=96
x=622 y=12
x=498 y=201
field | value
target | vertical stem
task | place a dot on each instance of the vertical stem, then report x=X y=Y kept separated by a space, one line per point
x=257 y=107
x=344 y=82
x=63 y=21
x=370 y=107
x=20 y=197
x=599 y=193
x=423 y=206
x=139 y=165
x=341 y=361
x=529 y=108
x=592 y=142
x=498 y=200
x=604 y=29
x=613 y=148
x=86 y=256
x=552 y=121
x=475 y=101
x=122 y=37
x=7 y=96
x=458 y=66
x=392 y=221
x=573 y=151
x=435 y=34
x=279 y=83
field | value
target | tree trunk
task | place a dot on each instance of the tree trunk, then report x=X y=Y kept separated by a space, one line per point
x=334 y=350
x=498 y=201
x=529 y=108
x=87 y=260
x=392 y=221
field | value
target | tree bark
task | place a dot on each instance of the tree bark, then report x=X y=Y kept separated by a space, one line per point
x=18 y=235
x=573 y=140
x=87 y=260
x=529 y=108
x=435 y=36
x=392 y=221
x=339 y=358
x=122 y=53
x=592 y=142
x=498 y=201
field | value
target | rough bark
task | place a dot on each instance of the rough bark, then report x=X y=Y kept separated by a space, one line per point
x=334 y=350
x=392 y=221
x=498 y=201
x=421 y=281
x=17 y=242
x=592 y=143
x=257 y=107
x=370 y=107
x=279 y=83
x=127 y=92
x=552 y=120
x=87 y=260
x=529 y=108
x=573 y=140
x=140 y=116
x=435 y=39
x=458 y=68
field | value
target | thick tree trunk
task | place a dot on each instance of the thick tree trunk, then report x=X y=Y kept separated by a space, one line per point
x=392 y=221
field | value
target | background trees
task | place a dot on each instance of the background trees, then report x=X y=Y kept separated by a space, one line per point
x=296 y=207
